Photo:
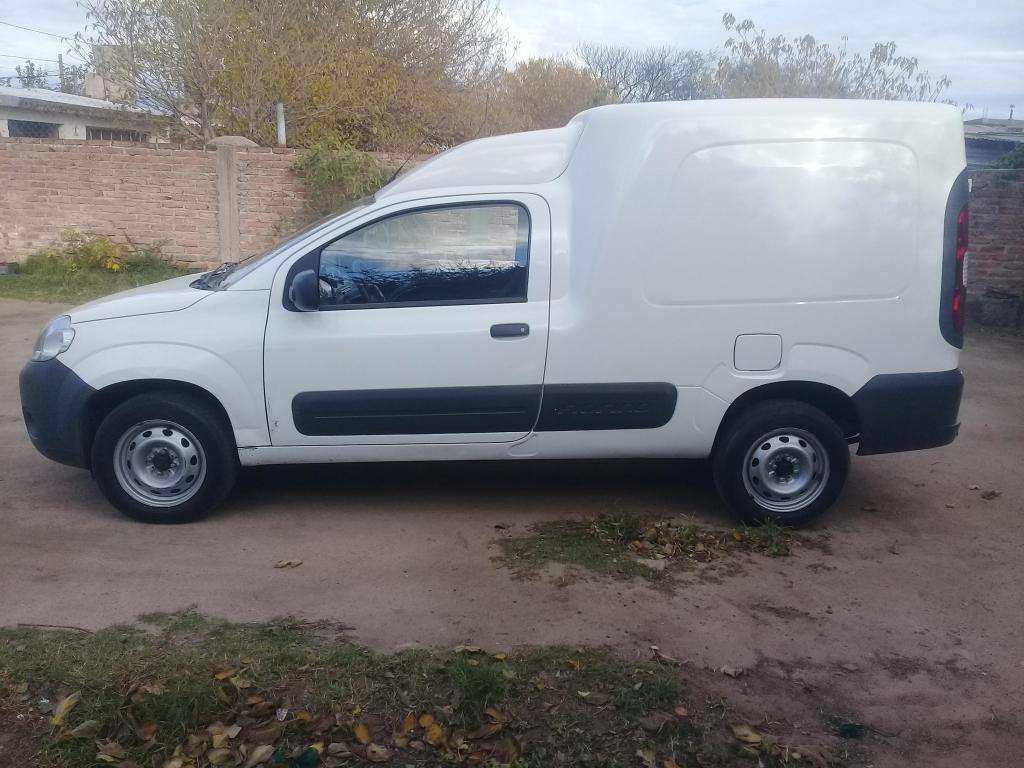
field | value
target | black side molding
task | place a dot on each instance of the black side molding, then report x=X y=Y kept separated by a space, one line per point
x=606 y=406
x=439 y=410
x=908 y=411
x=455 y=410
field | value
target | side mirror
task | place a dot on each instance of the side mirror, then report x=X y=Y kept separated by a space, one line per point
x=304 y=292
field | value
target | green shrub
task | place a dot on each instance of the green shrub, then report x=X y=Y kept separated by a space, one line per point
x=78 y=252
x=1012 y=159
x=85 y=267
x=338 y=176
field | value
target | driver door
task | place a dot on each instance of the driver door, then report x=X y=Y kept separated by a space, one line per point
x=432 y=327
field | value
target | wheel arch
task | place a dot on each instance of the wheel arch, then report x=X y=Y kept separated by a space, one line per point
x=104 y=400
x=832 y=401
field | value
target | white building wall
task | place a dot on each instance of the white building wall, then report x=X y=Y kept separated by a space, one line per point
x=71 y=126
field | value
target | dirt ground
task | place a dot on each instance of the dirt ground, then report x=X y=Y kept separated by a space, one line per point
x=912 y=623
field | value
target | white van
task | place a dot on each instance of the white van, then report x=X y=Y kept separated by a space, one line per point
x=762 y=282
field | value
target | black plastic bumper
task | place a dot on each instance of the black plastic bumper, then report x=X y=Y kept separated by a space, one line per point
x=909 y=411
x=53 y=400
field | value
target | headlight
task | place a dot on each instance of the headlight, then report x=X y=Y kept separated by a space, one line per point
x=54 y=339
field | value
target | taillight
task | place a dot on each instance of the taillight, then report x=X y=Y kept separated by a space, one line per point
x=959 y=300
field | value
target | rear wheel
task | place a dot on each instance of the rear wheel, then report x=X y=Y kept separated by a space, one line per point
x=164 y=457
x=781 y=461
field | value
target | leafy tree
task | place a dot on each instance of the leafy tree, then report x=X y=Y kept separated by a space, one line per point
x=377 y=73
x=756 y=64
x=545 y=93
x=1012 y=159
x=31 y=76
x=660 y=73
x=71 y=78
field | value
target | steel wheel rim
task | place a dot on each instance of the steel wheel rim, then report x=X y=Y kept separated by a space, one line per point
x=785 y=470
x=159 y=463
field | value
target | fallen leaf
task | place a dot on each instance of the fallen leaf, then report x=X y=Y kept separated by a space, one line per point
x=496 y=715
x=663 y=657
x=174 y=762
x=338 y=748
x=260 y=755
x=224 y=674
x=654 y=722
x=746 y=734
x=66 y=705
x=681 y=712
x=973 y=487
x=499 y=656
x=434 y=735
x=362 y=733
x=218 y=740
x=375 y=753
x=647 y=757
x=110 y=751
x=426 y=720
x=990 y=495
x=86 y=729
x=598 y=698
x=670 y=764
x=409 y=722
x=218 y=756
x=287 y=563
x=731 y=671
x=485 y=731
x=233 y=730
x=266 y=735
x=467 y=649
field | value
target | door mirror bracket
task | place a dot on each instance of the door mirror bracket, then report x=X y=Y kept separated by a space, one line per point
x=304 y=291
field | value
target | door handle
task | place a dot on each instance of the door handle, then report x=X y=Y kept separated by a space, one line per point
x=509 y=330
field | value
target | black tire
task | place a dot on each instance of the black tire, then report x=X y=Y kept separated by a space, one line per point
x=211 y=434
x=739 y=445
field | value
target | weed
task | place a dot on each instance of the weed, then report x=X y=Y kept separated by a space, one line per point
x=619 y=545
x=167 y=693
x=83 y=268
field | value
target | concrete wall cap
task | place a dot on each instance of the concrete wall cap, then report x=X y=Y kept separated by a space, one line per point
x=233 y=141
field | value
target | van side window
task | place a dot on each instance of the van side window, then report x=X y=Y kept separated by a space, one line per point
x=460 y=254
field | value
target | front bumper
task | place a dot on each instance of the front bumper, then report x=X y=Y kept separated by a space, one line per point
x=909 y=411
x=53 y=401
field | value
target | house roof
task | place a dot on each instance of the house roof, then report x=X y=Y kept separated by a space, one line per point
x=42 y=100
x=991 y=129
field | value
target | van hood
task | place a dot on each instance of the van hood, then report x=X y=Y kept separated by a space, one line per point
x=168 y=296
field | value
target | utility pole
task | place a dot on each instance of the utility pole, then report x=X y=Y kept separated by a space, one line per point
x=60 y=71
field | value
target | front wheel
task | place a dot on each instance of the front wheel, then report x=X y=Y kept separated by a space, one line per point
x=164 y=457
x=781 y=461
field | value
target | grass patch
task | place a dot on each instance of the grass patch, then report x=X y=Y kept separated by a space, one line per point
x=81 y=269
x=619 y=545
x=189 y=692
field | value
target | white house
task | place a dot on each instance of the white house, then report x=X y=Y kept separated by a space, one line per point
x=42 y=114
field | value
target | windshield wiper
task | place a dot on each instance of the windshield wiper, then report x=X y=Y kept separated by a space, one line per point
x=214 y=277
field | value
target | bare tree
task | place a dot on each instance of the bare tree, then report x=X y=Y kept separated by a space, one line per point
x=756 y=64
x=660 y=73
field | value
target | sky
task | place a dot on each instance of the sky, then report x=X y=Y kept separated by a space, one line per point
x=979 y=44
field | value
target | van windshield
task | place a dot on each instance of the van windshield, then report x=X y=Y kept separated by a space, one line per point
x=230 y=273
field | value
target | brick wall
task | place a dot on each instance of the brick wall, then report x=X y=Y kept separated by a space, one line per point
x=151 y=195
x=270 y=197
x=995 y=271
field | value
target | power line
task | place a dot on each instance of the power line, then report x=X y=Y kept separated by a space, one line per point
x=27 y=58
x=30 y=29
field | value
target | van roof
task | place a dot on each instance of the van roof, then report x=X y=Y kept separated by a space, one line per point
x=536 y=157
